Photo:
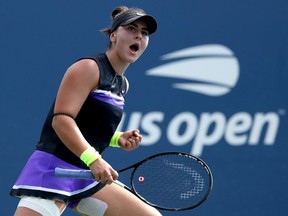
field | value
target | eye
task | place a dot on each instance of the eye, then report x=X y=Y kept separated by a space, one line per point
x=131 y=28
x=145 y=33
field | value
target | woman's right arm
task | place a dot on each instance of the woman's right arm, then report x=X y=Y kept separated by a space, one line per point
x=79 y=80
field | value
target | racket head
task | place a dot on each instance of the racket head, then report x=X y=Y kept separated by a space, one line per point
x=172 y=181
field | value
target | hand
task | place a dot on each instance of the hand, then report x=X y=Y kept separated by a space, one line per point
x=103 y=172
x=130 y=140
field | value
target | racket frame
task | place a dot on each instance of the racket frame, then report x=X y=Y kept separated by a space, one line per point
x=88 y=175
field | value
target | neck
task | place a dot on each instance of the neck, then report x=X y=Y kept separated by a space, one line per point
x=118 y=65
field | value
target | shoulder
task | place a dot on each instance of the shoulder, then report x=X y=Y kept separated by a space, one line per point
x=85 y=64
x=93 y=63
x=84 y=68
x=84 y=72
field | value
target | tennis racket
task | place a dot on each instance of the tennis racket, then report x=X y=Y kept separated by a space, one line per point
x=172 y=181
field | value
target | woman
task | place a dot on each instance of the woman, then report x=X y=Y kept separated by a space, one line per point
x=81 y=124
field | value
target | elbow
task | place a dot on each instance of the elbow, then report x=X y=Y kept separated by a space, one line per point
x=55 y=123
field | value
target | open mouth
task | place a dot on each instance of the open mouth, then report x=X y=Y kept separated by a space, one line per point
x=134 y=47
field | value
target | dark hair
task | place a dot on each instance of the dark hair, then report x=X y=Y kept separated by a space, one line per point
x=123 y=15
x=118 y=10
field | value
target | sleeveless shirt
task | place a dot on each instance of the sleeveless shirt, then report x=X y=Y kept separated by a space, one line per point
x=97 y=119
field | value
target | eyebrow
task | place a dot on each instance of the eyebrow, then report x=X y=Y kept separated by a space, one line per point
x=146 y=29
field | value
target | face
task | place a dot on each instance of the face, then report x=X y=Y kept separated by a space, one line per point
x=130 y=41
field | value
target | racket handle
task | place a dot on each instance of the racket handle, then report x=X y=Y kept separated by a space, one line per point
x=80 y=174
x=70 y=173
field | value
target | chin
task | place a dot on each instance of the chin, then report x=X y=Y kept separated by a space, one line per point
x=133 y=59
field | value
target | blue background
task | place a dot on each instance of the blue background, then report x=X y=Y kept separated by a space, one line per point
x=40 y=39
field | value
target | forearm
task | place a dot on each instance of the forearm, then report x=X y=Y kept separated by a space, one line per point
x=69 y=133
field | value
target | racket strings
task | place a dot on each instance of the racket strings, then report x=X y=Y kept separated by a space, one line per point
x=198 y=180
x=170 y=181
x=199 y=186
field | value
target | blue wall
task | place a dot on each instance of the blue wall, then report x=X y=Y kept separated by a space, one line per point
x=212 y=82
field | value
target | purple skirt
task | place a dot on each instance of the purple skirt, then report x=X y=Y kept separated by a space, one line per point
x=38 y=179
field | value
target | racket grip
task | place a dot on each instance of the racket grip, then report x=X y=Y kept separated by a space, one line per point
x=81 y=174
x=70 y=173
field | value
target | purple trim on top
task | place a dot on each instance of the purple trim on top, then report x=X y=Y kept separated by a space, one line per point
x=108 y=97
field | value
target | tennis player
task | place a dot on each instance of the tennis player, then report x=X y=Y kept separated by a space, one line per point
x=81 y=124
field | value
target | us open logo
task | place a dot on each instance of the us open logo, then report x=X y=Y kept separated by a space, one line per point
x=211 y=70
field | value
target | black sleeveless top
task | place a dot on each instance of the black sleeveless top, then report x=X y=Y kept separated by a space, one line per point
x=98 y=118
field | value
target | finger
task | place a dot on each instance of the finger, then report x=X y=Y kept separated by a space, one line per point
x=136 y=133
x=98 y=179
x=130 y=145
x=132 y=141
x=140 y=138
x=114 y=174
x=102 y=178
x=109 y=179
x=136 y=142
x=137 y=139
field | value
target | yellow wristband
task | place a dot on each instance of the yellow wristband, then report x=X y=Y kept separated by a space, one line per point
x=114 y=139
x=89 y=156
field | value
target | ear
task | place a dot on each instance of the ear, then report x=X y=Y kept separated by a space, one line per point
x=113 y=37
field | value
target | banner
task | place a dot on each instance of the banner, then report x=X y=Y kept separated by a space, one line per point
x=212 y=82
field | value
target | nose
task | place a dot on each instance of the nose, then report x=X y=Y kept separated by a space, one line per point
x=138 y=35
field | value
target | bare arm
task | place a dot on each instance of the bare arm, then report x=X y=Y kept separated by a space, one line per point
x=79 y=80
